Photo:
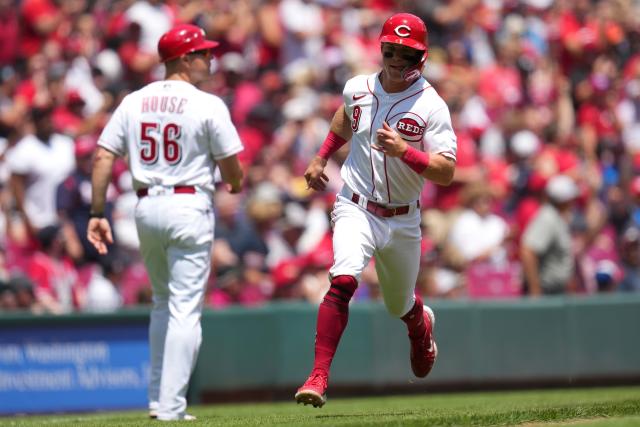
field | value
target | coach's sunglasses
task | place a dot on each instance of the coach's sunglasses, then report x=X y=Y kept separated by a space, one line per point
x=204 y=52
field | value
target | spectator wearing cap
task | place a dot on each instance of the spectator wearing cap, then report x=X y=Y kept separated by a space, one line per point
x=39 y=162
x=73 y=202
x=546 y=248
x=523 y=146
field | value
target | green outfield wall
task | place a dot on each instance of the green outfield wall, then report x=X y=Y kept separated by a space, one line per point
x=554 y=340
x=559 y=340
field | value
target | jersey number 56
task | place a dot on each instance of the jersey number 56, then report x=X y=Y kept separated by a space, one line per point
x=169 y=135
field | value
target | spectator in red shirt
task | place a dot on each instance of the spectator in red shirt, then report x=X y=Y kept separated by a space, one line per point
x=53 y=273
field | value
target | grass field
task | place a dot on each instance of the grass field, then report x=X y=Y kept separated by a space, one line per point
x=593 y=407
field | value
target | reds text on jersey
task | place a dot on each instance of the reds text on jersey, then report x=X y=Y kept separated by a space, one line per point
x=170 y=130
x=418 y=114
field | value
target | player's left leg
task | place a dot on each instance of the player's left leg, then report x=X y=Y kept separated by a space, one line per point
x=397 y=265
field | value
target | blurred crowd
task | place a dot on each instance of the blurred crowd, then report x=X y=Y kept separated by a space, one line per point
x=544 y=97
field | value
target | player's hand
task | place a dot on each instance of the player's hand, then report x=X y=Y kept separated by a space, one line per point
x=99 y=234
x=315 y=176
x=389 y=142
x=233 y=189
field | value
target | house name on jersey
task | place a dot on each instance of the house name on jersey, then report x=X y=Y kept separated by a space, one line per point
x=163 y=104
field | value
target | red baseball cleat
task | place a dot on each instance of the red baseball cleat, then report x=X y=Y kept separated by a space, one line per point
x=313 y=391
x=423 y=349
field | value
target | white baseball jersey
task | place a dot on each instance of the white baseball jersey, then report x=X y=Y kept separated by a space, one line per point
x=418 y=114
x=46 y=165
x=170 y=131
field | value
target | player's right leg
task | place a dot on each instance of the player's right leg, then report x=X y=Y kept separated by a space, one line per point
x=189 y=254
x=397 y=265
x=152 y=243
x=353 y=246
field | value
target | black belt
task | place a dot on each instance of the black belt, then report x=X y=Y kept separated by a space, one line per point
x=381 y=210
x=180 y=189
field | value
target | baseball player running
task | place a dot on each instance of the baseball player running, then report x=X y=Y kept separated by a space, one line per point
x=401 y=134
x=173 y=136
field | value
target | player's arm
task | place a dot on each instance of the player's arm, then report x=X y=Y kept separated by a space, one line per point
x=99 y=230
x=435 y=167
x=231 y=173
x=339 y=134
x=439 y=168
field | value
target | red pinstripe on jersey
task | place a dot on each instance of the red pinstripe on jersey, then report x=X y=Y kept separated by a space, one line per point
x=386 y=175
x=373 y=181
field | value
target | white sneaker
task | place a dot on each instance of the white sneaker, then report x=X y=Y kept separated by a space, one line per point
x=185 y=417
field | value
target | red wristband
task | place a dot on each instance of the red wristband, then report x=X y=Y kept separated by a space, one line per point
x=416 y=159
x=331 y=144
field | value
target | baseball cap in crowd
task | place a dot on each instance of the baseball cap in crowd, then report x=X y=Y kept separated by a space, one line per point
x=265 y=202
x=561 y=188
x=294 y=216
x=524 y=143
x=299 y=108
x=539 y=4
x=233 y=62
x=85 y=145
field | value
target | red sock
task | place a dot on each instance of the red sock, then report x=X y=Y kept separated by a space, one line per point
x=332 y=320
x=415 y=319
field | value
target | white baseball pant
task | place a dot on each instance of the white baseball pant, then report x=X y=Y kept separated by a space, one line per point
x=394 y=242
x=176 y=237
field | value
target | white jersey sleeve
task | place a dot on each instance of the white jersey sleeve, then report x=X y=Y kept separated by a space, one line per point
x=17 y=158
x=439 y=135
x=113 y=136
x=225 y=140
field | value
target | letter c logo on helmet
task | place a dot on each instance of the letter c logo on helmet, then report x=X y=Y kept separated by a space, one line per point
x=402 y=30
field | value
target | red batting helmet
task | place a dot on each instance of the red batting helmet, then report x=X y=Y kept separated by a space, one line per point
x=405 y=29
x=183 y=39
